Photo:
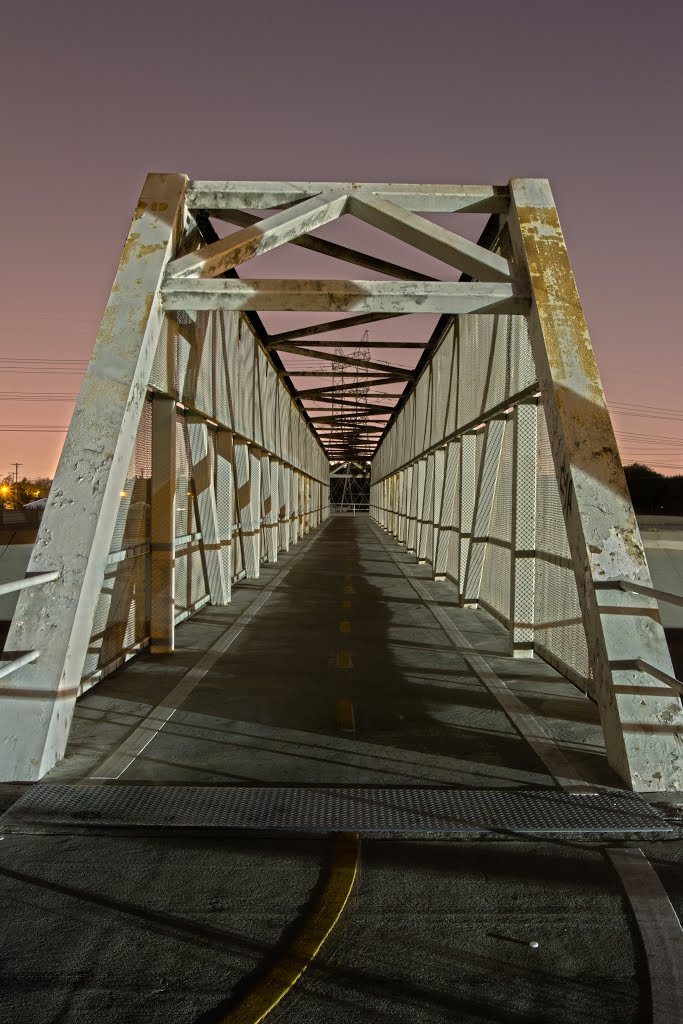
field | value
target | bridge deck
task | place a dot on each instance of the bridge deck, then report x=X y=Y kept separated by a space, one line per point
x=343 y=676
x=179 y=926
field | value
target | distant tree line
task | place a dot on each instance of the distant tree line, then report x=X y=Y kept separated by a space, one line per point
x=15 y=495
x=652 y=493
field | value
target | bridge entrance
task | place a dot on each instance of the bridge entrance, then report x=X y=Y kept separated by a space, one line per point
x=199 y=460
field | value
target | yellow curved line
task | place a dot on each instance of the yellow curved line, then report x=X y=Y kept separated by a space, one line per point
x=308 y=942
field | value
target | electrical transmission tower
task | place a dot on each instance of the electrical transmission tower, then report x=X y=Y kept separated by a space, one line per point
x=351 y=421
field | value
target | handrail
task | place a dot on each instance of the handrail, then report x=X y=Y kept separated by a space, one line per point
x=9 y=666
x=659 y=595
x=652 y=670
x=30 y=581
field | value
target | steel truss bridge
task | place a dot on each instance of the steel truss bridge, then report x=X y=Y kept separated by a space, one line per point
x=202 y=439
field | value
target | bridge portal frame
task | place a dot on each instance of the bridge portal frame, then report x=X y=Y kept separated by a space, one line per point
x=173 y=266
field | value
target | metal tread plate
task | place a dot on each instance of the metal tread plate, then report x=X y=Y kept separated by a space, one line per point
x=331 y=809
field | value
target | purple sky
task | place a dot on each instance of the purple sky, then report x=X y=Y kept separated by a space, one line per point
x=586 y=94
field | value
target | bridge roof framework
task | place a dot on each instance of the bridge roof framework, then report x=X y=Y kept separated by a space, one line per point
x=182 y=328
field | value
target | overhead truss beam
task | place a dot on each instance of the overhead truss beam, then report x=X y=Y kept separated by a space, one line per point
x=331 y=325
x=430 y=238
x=212 y=196
x=333 y=249
x=346 y=360
x=397 y=297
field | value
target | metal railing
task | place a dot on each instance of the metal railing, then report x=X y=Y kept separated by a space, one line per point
x=30 y=581
x=17 y=660
x=350 y=507
x=638 y=663
x=659 y=595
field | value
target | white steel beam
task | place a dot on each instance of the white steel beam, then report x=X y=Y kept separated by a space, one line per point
x=37 y=704
x=444 y=502
x=243 y=245
x=642 y=724
x=162 y=525
x=248 y=486
x=202 y=475
x=523 y=528
x=225 y=500
x=284 y=497
x=430 y=238
x=269 y=498
x=331 y=325
x=333 y=249
x=396 y=297
x=468 y=490
x=267 y=195
x=486 y=489
x=413 y=505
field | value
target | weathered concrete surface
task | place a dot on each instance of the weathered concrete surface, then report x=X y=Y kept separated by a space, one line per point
x=266 y=711
x=176 y=928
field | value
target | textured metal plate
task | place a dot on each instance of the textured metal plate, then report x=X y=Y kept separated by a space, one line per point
x=332 y=809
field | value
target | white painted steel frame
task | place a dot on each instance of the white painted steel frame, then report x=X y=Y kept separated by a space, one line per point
x=241 y=421
x=642 y=720
x=215 y=366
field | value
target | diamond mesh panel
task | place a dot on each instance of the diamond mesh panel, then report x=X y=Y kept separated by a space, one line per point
x=333 y=809
x=246 y=352
x=495 y=584
x=162 y=377
x=522 y=368
x=197 y=391
x=184 y=519
x=559 y=623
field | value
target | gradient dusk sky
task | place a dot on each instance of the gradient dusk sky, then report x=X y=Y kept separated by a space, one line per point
x=587 y=94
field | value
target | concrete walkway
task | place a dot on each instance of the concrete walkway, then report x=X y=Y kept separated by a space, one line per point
x=344 y=675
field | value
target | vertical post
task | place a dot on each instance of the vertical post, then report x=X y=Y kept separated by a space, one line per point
x=256 y=503
x=294 y=506
x=401 y=531
x=162 y=526
x=225 y=501
x=246 y=486
x=391 y=489
x=445 y=512
x=468 y=488
x=523 y=532
x=307 y=504
x=439 y=470
x=486 y=489
x=426 y=521
x=285 y=491
x=420 y=473
x=411 y=528
x=272 y=516
x=642 y=723
x=202 y=473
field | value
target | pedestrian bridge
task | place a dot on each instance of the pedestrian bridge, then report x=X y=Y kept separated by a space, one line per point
x=193 y=613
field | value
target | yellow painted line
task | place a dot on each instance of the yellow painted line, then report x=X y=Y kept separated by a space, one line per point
x=346 y=604
x=344 y=659
x=348 y=590
x=345 y=717
x=347 y=577
x=345 y=626
x=309 y=939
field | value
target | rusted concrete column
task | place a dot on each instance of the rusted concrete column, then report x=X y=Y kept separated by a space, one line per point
x=56 y=619
x=642 y=721
x=162 y=606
